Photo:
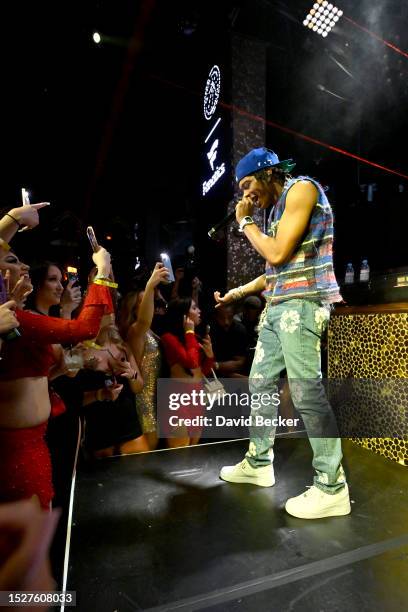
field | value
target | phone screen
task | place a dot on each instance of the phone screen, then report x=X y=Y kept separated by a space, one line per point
x=25 y=197
x=72 y=274
x=92 y=238
x=167 y=264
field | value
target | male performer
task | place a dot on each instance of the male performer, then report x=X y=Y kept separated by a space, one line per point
x=298 y=284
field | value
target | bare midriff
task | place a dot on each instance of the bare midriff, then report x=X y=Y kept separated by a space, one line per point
x=24 y=402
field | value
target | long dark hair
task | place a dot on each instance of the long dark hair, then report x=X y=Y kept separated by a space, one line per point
x=127 y=313
x=177 y=309
x=38 y=276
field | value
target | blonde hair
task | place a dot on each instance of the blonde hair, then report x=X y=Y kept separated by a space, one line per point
x=109 y=334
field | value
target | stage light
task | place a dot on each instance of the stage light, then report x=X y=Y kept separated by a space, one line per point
x=322 y=17
x=96 y=37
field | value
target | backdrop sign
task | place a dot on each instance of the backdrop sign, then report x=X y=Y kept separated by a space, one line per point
x=214 y=140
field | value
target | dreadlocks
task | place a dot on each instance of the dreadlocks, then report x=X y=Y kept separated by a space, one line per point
x=277 y=174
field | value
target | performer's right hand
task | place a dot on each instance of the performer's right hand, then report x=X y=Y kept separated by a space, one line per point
x=227 y=299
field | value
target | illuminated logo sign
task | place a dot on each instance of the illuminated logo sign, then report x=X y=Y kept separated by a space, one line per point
x=212 y=154
x=212 y=92
x=219 y=171
x=211 y=97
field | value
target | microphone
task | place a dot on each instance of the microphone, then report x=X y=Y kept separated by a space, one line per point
x=223 y=223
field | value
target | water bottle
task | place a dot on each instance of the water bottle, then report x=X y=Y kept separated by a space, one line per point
x=364 y=272
x=349 y=278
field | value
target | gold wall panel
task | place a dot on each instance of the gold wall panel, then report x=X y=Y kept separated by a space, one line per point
x=372 y=345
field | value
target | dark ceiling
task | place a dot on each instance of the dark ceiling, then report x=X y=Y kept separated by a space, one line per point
x=107 y=131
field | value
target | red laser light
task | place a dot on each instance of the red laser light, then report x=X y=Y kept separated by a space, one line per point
x=385 y=42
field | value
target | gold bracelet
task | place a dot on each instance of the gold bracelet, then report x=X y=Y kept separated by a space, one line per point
x=4 y=245
x=105 y=283
x=189 y=331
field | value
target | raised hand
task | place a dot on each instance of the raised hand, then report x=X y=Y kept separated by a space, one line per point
x=71 y=298
x=102 y=260
x=160 y=274
x=188 y=324
x=27 y=216
x=8 y=320
x=244 y=208
x=206 y=345
x=21 y=289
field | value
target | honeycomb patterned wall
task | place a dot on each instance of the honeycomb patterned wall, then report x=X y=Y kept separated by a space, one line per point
x=373 y=347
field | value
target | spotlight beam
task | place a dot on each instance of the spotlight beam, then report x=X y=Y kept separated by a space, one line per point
x=340 y=65
x=385 y=42
x=321 y=87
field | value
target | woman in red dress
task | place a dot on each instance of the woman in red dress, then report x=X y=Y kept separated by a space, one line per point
x=24 y=398
x=187 y=359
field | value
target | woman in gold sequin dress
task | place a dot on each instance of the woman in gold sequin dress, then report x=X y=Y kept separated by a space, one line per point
x=135 y=320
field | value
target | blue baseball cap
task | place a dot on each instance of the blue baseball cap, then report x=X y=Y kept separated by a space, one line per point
x=257 y=159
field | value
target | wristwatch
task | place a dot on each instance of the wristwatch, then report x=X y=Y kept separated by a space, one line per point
x=245 y=221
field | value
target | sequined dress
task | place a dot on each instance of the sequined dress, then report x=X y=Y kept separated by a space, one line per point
x=150 y=370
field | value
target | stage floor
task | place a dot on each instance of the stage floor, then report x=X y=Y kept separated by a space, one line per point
x=161 y=531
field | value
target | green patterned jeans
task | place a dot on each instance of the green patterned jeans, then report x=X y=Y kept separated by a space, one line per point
x=289 y=337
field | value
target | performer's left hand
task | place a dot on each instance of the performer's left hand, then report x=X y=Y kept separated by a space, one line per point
x=244 y=208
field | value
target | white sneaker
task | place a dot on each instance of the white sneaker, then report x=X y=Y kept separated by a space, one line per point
x=244 y=472
x=315 y=503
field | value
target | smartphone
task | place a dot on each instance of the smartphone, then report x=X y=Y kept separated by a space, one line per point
x=92 y=238
x=167 y=264
x=25 y=197
x=72 y=274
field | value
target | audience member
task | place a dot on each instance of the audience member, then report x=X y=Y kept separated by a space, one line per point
x=187 y=359
x=25 y=364
x=230 y=342
x=249 y=317
x=135 y=325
